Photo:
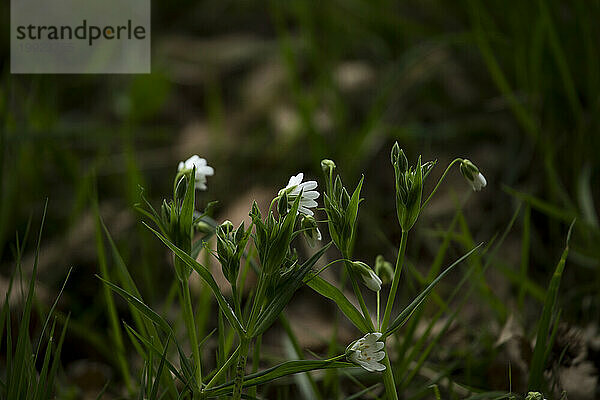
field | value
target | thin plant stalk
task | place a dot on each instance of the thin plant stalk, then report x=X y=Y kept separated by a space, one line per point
x=188 y=315
x=388 y=374
x=240 y=369
x=456 y=160
x=388 y=379
x=359 y=295
x=397 y=272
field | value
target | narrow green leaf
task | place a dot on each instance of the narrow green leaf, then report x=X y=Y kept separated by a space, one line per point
x=401 y=319
x=538 y=362
x=331 y=292
x=283 y=369
x=137 y=303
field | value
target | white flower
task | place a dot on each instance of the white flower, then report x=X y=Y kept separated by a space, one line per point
x=202 y=170
x=367 y=352
x=472 y=175
x=308 y=197
x=478 y=182
x=368 y=276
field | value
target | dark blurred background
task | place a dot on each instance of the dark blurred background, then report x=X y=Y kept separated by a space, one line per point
x=264 y=90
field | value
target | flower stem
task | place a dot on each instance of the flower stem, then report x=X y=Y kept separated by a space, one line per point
x=240 y=369
x=397 y=272
x=188 y=315
x=440 y=181
x=388 y=379
x=359 y=296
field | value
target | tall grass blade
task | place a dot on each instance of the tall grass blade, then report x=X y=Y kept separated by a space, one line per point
x=538 y=362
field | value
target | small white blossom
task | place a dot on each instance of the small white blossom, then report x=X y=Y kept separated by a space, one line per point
x=202 y=170
x=472 y=175
x=309 y=195
x=367 y=352
x=478 y=182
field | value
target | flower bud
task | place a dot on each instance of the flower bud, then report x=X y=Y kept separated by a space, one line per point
x=369 y=277
x=226 y=227
x=311 y=230
x=181 y=188
x=255 y=211
x=328 y=167
x=398 y=158
x=384 y=270
x=472 y=174
x=282 y=203
x=534 y=396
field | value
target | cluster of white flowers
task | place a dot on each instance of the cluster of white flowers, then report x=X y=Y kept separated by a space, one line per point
x=306 y=190
x=202 y=170
x=367 y=352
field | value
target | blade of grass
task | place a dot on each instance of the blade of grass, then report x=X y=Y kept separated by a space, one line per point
x=538 y=362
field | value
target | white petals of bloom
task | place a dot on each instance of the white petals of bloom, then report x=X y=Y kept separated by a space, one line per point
x=478 y=182
x=309 y=194
x=367 y=352
x=202 y=170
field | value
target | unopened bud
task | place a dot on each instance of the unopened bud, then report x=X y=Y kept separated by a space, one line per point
x=472 y=174
x=368 y=276
x=384 y=270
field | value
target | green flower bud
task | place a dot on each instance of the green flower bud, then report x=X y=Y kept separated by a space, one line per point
x=181 y=187
x=369 y=277
x=384 y=270
x=226 y=227
x=255 y=211
x=282 y=203
x=310 y=230
x=328 y=167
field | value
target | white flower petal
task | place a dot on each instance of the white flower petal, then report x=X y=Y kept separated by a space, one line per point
x=309 y=185
x=295 y=180
x=311 y=195
x=377 y=356
x=201 y=168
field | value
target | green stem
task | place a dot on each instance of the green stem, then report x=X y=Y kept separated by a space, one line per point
x=359 y=296
x=388 y=379
x=255 y=362
x=397 y=272
x=440 y=181
x=240 y=369
x=190 y=325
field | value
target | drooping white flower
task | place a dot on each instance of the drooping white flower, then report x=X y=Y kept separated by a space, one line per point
x=472 y=175
x=306 y=190
x=478 y=182
x=202 y=170
x=311 y=230
x=367 y=352
x=368 y=276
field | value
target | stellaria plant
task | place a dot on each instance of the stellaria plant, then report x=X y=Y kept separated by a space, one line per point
x=280 y=273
